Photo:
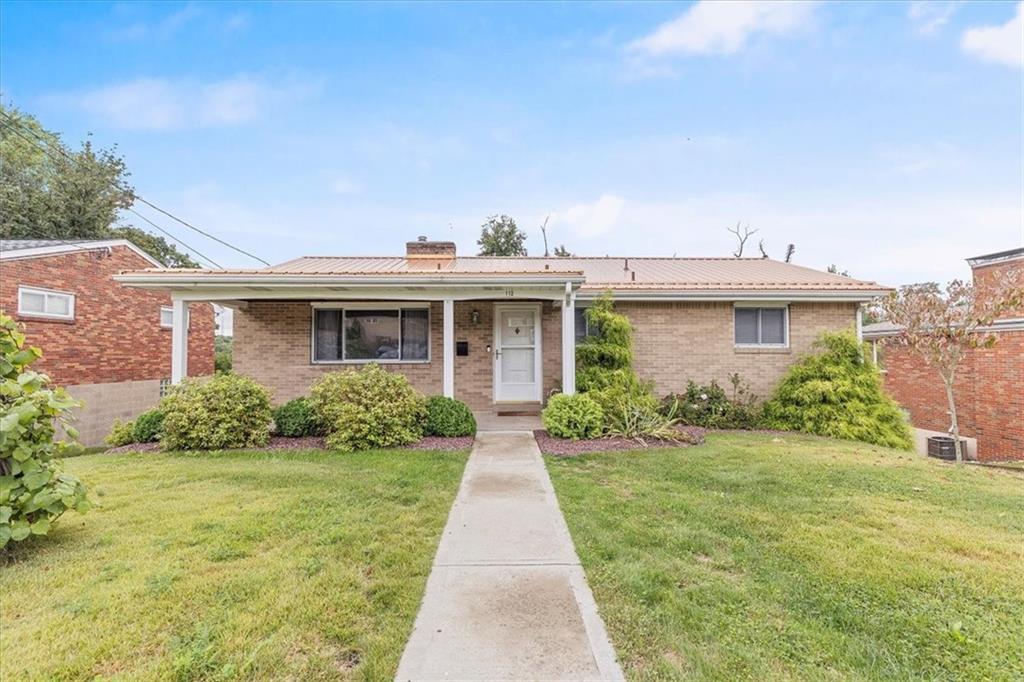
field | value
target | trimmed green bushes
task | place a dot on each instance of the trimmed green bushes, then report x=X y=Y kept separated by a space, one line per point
x=368 y=408
x=227 y=411
x=296 y=419
x=121 y=433
x=148 y=426
x=448 y=417
x=836 y=393
x=710 y=407
x=573 y=416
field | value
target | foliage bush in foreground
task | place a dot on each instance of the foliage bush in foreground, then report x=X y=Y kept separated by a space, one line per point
x=711 y=407
x=33 y=489
x=448 y=417
x=573 y=416
x=368 y=408
x=148 y=426
x=296 y=419
x=121 y=433
x=227 y=411
x=836 y=393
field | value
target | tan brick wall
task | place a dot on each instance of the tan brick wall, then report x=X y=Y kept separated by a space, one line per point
x=676 y=342
x=272 y=345
x=116 y=334
x=103 y=403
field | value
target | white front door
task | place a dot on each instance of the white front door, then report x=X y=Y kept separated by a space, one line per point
x=517 y=356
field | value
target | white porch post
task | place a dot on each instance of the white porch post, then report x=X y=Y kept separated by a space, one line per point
x=860 y=323
x=448 y=359
x=179 y=340
x=569 y=341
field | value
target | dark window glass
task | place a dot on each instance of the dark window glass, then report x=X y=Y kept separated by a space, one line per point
x=327 y=342
x=746 y=325
x=371 y=334
x=415 y=333
x=581 y=323
x=773 y=325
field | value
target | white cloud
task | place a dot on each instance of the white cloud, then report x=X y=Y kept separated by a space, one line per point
x=724 y=27
x=168 y=26
x=162 y=104
x=928 y=16
x=591 y=220
x=1002 y=44
x=345 y=185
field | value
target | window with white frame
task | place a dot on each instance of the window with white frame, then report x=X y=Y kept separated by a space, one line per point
x=762 y=326
x=167 y=317
x=371 y=334
x=46 y=303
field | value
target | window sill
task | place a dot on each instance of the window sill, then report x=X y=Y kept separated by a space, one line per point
x=44 y=318
x=763 y=350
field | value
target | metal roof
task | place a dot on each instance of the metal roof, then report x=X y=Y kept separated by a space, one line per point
x=20 y=244
x=599 y=273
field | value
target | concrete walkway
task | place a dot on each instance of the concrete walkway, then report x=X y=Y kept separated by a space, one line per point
x=507 y=599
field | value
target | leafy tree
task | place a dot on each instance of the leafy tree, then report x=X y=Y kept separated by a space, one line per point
x=49 y=191
x=33 y=489
x=943 y=326
x=499 y=236
x=223 y=348
x=562 y=252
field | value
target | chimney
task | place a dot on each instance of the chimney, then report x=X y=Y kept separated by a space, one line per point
x=424 y=254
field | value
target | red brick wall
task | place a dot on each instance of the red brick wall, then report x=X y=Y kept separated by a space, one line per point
x=116 y=334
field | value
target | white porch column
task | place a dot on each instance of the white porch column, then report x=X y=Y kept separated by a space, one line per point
x=179 y=340
x=860 y=323
x=448 y=357
x=569 y=341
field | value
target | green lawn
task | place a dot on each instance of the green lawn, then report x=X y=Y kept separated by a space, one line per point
x=303 y=565
x=761 y=557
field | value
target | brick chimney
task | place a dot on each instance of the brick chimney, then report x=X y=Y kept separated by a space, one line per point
x=424 y=254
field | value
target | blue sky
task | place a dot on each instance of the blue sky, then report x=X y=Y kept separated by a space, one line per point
x=885 y=138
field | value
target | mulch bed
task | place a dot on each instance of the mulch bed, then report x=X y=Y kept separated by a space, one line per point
x=317 y=443
x=562 y=447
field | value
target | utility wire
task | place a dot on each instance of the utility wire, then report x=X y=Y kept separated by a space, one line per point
x=14 y=123
x=190 y=248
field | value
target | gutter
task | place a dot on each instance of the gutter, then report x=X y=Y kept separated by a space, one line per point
x=185 y=280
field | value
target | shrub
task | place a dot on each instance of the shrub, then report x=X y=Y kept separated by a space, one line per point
x=448 y=417
x=227 y=411
x=711 y=407
x=836 y=393
x=368 y=408
x=121 y=433
x=222 y=353
x=34 y=491
x=149 y=426
x=573 y=416
x=296 y=418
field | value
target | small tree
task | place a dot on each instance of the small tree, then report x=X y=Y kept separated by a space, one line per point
x=33 y=489
x=499 y=236
x=943 y=325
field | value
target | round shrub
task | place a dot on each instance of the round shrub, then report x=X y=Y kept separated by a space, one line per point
x=368 y=408
x=121 y=433
x=573 y=416
x=448 y=417
x=836 y=393
x=148 y=426
x=227 y=411
x=296 y=419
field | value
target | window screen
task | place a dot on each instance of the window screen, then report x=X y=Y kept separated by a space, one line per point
x=757 y=326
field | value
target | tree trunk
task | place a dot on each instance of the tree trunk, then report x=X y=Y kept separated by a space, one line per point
x=956 y=424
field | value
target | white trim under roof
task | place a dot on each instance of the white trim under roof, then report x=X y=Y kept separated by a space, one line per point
x=72 y=247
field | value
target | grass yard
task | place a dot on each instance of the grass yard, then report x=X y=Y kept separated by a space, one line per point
x=284 y=565
x=793 y=557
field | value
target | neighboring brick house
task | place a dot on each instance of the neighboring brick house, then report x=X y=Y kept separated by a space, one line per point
x=110 y=346
x=500 y=333
x=989 y=389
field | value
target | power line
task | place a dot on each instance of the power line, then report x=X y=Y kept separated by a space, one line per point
x=172 y=237
x=14 y=126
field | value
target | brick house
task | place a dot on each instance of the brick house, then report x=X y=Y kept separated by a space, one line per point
x=110 y=346
x=500 y=333
x=989 y=388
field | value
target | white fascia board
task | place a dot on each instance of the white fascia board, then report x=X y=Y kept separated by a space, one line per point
x=72 y=247
x=739 y=295
x=170 y=280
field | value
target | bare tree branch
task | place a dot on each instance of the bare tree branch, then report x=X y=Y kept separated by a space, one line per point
x=742 y=239
x=790 y=250
x=760 y=245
